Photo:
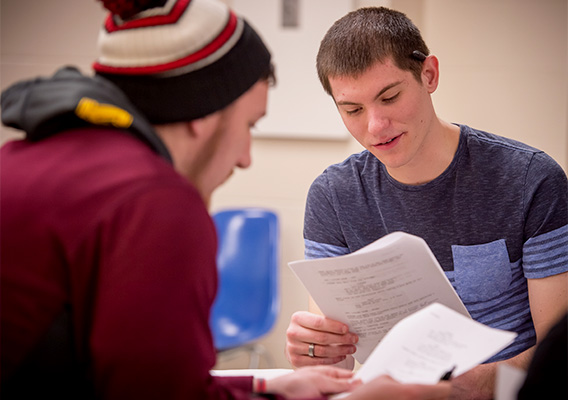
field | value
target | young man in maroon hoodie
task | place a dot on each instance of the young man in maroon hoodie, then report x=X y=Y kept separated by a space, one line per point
x=108 y=251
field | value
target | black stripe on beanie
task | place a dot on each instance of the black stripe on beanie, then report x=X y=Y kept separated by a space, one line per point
x=201 y=92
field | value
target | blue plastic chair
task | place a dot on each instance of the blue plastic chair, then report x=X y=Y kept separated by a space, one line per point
x=248 y=299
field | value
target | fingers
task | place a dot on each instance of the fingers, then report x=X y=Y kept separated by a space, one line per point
x=384 y=387
x=323 y=354
x=332 y=340
x=318 y=323
x=308 y=382
x=330 y=371
x=333 y=386
x=331 y=379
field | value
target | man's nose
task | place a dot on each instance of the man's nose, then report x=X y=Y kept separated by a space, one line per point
x=378 y=121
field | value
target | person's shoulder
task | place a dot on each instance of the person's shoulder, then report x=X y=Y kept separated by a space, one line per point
x=354 y=164
x=162 y=182
x=163 y=197
x=494 y=140
x=131 y=172
x=504 y=151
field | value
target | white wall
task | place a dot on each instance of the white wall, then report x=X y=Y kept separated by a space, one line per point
x=505 y=71
x=504 y=68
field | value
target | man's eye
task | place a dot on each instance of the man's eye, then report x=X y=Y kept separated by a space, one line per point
x=353 y=111
x=391 y=99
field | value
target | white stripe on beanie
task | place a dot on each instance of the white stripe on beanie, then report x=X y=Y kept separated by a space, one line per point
x=155 y=45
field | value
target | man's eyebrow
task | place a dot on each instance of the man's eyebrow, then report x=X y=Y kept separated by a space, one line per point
x=346 y=103
x=383 y=90
x=387 y=88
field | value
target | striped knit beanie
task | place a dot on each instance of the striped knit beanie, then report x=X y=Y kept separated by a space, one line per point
x=178 y=60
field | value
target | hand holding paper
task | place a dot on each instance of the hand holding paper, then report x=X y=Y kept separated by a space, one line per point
x=423 y=346
x=375 y=287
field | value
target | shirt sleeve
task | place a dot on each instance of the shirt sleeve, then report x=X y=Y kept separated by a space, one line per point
x=545 y=250
x=322 y=232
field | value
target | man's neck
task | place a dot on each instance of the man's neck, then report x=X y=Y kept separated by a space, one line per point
x=435 y=157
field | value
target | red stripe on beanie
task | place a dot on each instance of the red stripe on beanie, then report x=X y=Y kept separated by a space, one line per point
x=175 y=13
x=202 y=53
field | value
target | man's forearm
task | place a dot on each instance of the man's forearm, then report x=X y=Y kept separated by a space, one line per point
x=479 y=382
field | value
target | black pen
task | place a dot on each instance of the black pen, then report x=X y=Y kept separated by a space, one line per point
x=448 y=374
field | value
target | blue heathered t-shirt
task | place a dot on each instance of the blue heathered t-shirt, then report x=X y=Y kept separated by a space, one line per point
x=497 y=216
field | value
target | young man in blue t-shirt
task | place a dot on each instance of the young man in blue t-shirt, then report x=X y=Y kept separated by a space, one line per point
x=493 y=210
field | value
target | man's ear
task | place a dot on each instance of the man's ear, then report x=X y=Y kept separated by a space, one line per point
x=430 y=73
x=204 y=126
x=194 y=128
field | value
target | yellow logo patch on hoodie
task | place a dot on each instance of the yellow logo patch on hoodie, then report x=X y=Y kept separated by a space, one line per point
x=102 y=114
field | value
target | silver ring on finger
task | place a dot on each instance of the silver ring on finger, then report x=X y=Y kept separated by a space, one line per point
x=311 y=349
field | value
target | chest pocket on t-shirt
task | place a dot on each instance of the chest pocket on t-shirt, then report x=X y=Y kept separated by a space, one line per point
x=482 y=272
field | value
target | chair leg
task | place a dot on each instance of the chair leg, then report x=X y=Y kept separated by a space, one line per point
x=254 y=358
x=256 y=352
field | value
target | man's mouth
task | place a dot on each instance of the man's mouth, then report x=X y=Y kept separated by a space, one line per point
x=388 y=141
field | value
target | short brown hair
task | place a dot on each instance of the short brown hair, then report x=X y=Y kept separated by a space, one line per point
x=366 y=36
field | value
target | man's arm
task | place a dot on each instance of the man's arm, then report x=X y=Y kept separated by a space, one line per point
x=548 y=299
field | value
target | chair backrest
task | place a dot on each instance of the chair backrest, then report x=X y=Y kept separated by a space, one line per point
x=248 y=299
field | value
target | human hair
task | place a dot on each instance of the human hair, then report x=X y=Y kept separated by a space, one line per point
x=269 y=75
x=366 y=36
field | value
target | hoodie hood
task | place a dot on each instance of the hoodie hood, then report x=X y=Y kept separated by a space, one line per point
x=43 y=107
